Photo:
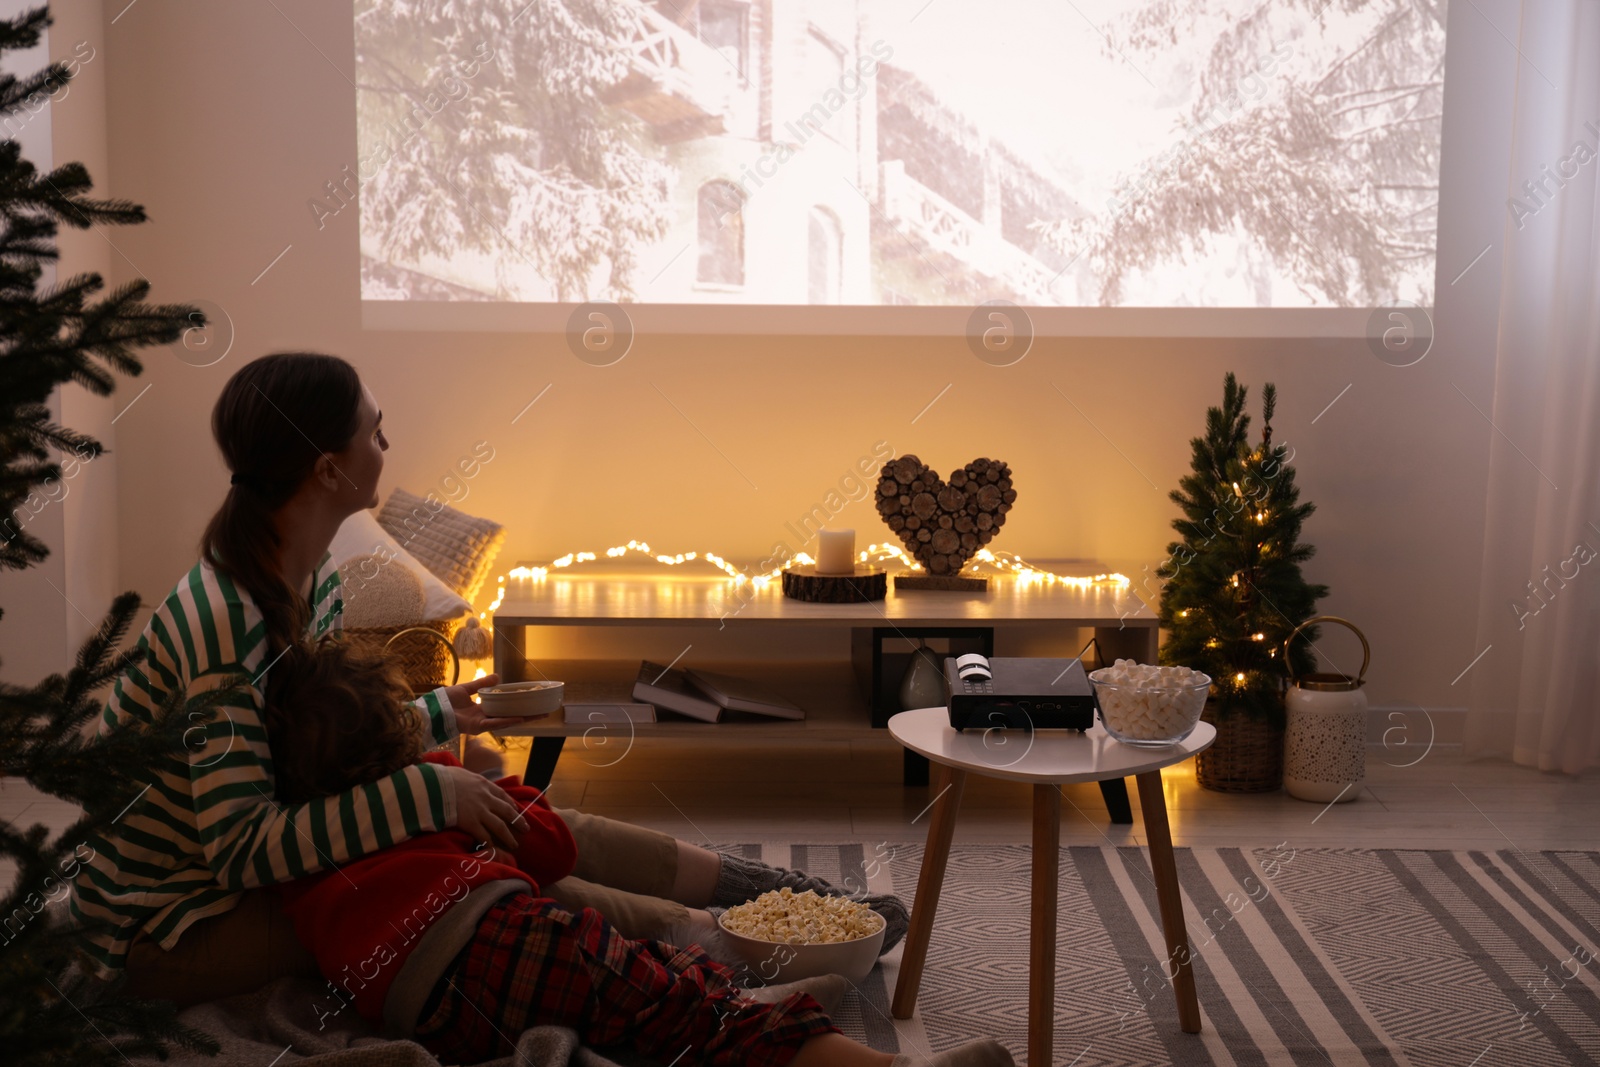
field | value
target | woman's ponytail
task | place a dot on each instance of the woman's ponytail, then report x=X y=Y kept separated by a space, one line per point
x=276 y=416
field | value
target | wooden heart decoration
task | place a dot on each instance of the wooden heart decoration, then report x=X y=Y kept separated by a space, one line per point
x=943 y=523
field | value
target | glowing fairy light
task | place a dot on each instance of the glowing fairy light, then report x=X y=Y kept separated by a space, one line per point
x=875 y=553
x=1005 y=563
x=1008 y=562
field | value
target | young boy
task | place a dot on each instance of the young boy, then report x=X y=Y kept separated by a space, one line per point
x=454 y=946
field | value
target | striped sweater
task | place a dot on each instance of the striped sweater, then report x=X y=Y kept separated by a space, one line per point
x=208 y=825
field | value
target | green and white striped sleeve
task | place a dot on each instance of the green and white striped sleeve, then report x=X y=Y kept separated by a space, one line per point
x=138 y=692
x=249 y=839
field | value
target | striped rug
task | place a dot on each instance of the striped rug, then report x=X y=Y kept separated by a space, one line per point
x=1308 y=956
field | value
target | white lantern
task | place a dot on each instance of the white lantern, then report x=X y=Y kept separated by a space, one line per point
x=1325 y=737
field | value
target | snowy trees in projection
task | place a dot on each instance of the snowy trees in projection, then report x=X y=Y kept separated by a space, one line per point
x=1312 y=144
x=483 y=140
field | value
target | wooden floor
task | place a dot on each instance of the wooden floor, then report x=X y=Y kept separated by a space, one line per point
x=728 y=791
x=739 y=791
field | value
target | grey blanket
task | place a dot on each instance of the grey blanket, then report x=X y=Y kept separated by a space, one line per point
x=278 y=1025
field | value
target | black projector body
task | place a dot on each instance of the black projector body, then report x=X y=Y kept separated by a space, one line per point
x=1024 y=694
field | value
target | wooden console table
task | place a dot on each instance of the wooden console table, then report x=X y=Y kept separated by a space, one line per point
x=1123 y=627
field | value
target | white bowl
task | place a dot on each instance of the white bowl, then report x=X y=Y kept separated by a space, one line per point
x=777 y=961
x=1170 y=711
x=523 y=698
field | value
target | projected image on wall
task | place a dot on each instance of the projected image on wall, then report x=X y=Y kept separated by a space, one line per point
x=1142 y=153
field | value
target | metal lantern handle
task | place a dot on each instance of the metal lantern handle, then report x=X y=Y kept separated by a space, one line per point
x=1366 y=649
x=455 y=659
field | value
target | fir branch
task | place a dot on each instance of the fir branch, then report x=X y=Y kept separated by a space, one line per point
x=50 y=1012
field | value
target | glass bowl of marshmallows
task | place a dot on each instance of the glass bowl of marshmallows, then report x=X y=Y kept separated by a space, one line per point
x=1142 y=704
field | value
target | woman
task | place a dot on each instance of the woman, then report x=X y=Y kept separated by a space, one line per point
x=173 y=899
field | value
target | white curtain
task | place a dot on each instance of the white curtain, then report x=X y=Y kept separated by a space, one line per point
x=1535 y=694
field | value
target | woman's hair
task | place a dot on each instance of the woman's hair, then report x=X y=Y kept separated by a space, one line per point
x=337 y=716
x=276 y=416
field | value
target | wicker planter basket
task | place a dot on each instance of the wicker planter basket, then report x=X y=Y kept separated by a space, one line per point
x=1247 y=756
x=424 y=651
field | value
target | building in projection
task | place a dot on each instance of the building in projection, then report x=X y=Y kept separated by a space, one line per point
x=810 y=169
x=807 y=169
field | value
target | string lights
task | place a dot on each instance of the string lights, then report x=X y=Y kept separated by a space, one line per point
x=1004 y=563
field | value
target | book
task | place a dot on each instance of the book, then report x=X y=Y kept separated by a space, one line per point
x=739 y=694
x=599 y=714
x=670 y=689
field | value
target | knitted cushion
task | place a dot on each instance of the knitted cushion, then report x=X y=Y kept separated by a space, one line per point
x=378 y=593
x=361 y=534
x=458 y=548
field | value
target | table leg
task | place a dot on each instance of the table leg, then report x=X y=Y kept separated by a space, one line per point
x=1115 y=793
x=1130 y=642
x=1042 y=935
x=913 y=768
x=542 y=758
x=948 y=783
x=510 y=662
x=1153 y=802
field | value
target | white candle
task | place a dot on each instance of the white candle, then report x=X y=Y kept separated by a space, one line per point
x=836 y=551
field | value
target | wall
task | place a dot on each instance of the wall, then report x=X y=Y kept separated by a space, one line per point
x=226 y=119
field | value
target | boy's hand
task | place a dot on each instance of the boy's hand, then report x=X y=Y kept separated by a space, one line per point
x=486 y=811
x=470 y=718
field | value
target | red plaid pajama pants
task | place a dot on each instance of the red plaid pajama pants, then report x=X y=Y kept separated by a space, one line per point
x=532 y=963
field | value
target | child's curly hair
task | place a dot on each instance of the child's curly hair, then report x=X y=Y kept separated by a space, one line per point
x=337 y=716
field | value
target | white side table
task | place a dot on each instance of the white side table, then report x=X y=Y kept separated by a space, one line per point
x=1047 y=759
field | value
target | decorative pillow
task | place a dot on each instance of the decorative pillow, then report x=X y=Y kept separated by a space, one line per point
x=361 y=534
x=458 y=548
x=379 y=592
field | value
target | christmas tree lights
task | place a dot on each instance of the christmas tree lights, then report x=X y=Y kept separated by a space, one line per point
x=1234 y=590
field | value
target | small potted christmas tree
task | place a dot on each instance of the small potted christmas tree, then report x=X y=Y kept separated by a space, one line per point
x=1234 y=591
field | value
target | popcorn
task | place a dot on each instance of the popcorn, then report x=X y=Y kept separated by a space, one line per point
x=787 y=917
x=1144 y=702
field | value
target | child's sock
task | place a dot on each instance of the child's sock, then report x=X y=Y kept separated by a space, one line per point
x=983 y=1052
x=745 y=879
x=701 y=929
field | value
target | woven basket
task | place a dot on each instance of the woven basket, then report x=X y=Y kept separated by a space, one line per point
x=1247 y=756
x=423 y=651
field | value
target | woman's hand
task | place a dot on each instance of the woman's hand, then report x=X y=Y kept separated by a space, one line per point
x=470 y=718
x=486 y=811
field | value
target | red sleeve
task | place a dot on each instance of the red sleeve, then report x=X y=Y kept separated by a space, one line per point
x=546 y=850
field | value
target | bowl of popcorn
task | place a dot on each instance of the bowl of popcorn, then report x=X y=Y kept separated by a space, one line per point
x=1142 y=704
x=783 y=936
